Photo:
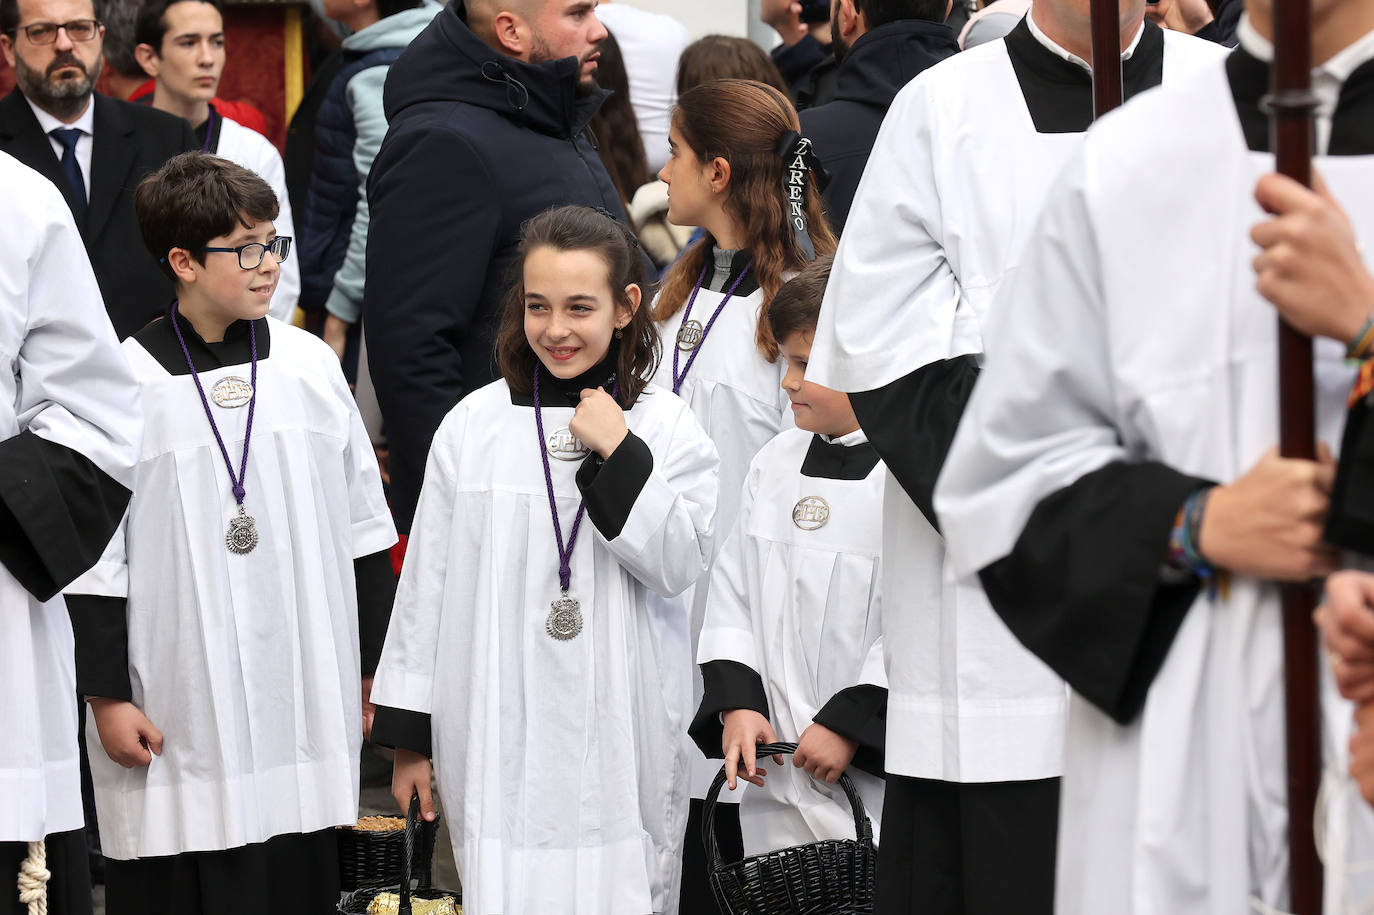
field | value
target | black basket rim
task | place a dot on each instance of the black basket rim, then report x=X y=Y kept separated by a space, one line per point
x=863 y=827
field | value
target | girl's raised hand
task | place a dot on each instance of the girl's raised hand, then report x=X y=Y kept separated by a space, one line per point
x=599 y=422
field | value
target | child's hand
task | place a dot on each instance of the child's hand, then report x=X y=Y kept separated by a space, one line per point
x=823 y=753
x=744 y=730
x=128 y=737
x=1362 y=751
x=599 y=422
x=410 y=775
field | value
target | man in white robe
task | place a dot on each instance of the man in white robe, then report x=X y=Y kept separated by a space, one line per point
x=1132 y=369
x=181 y=45
x=69 y=431
x=957 y=175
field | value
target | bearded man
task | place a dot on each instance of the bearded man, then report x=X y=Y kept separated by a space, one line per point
x=488 y=110
x=93 y=148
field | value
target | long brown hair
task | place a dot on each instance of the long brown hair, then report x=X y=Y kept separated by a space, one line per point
x=576 y=228
x=725 y=57
x=615 y=126
x=742 y=122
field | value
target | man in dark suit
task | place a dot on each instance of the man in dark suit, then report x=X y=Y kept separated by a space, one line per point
x=93 y=148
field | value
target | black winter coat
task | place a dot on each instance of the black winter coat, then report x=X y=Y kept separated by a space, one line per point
x=871 y=74
x=478 y=143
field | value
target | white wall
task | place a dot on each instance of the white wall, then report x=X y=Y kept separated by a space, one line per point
x=714 y=17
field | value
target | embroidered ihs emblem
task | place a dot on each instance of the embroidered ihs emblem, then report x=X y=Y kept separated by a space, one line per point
x=231 y=391
x=811 y=513
x=565 y=446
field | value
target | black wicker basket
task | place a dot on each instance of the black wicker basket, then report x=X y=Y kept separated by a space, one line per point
x=834 y=877
x=356 y=902
x=368 y=857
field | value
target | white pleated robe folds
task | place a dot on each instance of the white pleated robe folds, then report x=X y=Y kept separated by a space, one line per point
x=560 y=765
x=1134 y=333
x=957 y=177
x=244 y=146
x=248 y=664
x=66 y=383
x=736 y=395
x=801 y=606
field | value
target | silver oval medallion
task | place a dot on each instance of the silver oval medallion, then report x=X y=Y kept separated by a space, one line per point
x=689 y=335
x=565 y=446
x=231 y=391
x=565 y=618
x=811 y=513
x=242 y=535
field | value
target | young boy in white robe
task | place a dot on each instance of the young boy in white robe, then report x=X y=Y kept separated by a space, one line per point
x=69 y=430
x=253 y=557
x=525 y=655
x=792 y=645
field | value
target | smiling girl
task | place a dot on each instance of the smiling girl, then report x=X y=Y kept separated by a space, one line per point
x=524 y=656
x=734 y=146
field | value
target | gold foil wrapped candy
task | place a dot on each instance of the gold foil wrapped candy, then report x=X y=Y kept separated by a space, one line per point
x=390 y=903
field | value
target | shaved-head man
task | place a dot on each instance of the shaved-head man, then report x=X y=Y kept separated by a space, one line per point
x=488 y=110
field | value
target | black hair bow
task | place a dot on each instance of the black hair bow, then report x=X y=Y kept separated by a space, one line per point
x=799 y=160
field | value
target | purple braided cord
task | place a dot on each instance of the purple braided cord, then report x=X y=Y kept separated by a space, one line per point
x=564 y=555
x=679 y=379
x=205 y=402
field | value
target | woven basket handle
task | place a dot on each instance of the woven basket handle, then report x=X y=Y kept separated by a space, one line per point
x=412 y=826
x=863 y=828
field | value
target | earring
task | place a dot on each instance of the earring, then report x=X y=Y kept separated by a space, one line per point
x=619 y=333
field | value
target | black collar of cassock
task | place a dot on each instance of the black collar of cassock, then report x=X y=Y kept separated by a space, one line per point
x=1352 y=124
x=160 y=341
x=1059 y=93
x=834 y=461
x=567 y=392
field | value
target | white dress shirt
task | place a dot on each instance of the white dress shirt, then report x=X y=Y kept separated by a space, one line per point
x=85 y=124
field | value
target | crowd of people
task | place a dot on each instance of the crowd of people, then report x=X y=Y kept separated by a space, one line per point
x=610 y=405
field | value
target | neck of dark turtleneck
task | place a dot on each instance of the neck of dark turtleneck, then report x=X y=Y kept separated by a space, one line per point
x=160 y=340
x=567 y=392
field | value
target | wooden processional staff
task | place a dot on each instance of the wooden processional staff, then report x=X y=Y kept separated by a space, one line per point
x=1290 y=106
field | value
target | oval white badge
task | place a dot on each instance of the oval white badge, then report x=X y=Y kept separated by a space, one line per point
x=689 y=335
x=231 y=391
x=565 y=446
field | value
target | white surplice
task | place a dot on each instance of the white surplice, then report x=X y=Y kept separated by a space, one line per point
x=66 y=382
x=248 y=664
x=1134 y=333
x=801 y=606
x=560 y=763
x=950 y=195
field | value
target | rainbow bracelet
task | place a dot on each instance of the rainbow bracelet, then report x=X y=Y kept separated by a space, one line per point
x=1360 y=345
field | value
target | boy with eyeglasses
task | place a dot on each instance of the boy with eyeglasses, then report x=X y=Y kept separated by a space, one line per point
x=253 y=567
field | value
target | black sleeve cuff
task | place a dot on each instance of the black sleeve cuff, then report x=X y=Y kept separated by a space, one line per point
x=1082 y=590
x=912 y=422
x=1350 y=521
x=859 y=713
x=376 y=585
x=611 y=486
x=58 y=511
x=402 y=729
x=729 y=685
x=101 y=628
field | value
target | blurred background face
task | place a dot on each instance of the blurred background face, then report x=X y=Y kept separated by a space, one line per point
x=62 y=74
x=568 y=28
x=191 y=59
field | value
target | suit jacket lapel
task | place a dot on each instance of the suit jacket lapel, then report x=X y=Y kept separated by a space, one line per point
x=112 y=159
x=22 y=137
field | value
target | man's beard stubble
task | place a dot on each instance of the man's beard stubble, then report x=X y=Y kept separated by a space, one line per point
x=63 y=99
x=541 y=52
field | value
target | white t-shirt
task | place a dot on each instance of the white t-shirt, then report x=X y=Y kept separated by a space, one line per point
x=651 y=44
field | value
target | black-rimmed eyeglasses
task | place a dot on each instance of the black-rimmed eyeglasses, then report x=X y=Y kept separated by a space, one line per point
x=46 y=32
x=251 y=255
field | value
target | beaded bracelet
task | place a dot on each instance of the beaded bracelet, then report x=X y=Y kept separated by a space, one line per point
x=1184 y=539
x=1359 y=345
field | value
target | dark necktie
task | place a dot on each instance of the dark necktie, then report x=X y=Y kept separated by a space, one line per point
x=68 y=137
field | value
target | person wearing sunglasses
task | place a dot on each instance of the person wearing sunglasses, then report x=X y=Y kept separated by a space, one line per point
x=95 y=149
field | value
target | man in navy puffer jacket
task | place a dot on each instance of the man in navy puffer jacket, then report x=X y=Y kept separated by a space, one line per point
x=488 y=110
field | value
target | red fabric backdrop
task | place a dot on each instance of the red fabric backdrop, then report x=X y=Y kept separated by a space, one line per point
x=256 y=68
